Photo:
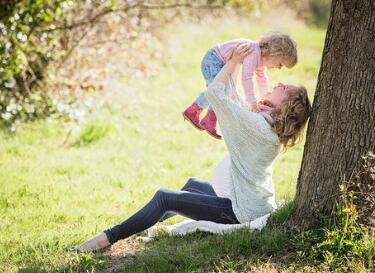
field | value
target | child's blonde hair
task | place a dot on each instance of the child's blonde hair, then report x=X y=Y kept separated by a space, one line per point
x=291 y=117
x=279 y=45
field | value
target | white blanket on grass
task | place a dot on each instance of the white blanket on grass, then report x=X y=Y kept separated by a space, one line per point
x=190 y=226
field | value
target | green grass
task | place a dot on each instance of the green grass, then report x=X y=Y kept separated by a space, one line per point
x=56 y=191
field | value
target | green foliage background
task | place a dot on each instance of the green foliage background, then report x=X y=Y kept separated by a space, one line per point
x=35 y=40
x=26 y=49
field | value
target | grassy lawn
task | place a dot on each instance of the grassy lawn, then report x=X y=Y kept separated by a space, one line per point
x=54 y=195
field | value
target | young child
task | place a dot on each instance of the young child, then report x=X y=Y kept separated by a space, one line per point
x=273 y=50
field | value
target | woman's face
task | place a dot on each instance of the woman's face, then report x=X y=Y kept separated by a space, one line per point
x=279 y=94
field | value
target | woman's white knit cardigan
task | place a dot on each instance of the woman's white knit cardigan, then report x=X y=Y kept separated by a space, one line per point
x=252 y=147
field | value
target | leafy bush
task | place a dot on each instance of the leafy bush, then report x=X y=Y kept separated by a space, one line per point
x=319 y=11
x=27 y=46
x=315 y=12
x=38 y=37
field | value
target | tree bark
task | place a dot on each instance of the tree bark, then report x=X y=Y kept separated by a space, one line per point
x=342 y=125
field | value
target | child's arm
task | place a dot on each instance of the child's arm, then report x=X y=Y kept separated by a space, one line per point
x=262 y=80
x=248 y=69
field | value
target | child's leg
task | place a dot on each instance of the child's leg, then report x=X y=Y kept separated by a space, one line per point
x=193 y=205
x=209 y=121
x=210 y=67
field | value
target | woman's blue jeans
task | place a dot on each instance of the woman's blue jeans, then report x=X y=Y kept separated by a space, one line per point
x=196 y=200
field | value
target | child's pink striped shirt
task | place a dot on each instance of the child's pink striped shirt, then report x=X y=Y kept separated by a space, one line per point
x=251 y=64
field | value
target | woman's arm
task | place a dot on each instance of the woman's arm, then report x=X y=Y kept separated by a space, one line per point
x=233 y=93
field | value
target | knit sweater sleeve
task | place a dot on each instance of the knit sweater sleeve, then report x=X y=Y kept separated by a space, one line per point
x=234 y=120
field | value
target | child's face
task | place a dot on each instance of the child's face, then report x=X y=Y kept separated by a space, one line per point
x=273 y=62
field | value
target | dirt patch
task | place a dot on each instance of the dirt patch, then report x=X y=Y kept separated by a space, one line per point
x=120 y=253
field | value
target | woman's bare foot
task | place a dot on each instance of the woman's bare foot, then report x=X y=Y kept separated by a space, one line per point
x=98 y=242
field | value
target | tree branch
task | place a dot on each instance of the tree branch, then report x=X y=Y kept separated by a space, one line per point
x=70 y=51
x=108 y=10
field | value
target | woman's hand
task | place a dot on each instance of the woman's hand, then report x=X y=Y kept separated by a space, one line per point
x=240 y=52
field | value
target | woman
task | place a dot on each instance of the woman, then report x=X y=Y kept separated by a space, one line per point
x=245 y=190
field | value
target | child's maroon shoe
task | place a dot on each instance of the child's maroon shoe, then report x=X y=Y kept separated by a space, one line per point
x=209 y=124
x=192 y=114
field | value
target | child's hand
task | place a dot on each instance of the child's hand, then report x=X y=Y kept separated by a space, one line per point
x=265 y=105
x=240 y=52
x=253 y=107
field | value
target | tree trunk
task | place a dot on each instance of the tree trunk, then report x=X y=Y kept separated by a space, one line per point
x=342 y=125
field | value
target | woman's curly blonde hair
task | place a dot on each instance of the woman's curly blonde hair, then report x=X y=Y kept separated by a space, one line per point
x=279 y=45
x=291 y=116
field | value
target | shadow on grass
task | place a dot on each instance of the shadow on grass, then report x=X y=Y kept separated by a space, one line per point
x=206 y=252
x=274 y=249
x=196 y=252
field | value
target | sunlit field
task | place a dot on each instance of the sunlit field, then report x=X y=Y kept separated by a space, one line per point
x=56 y=190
